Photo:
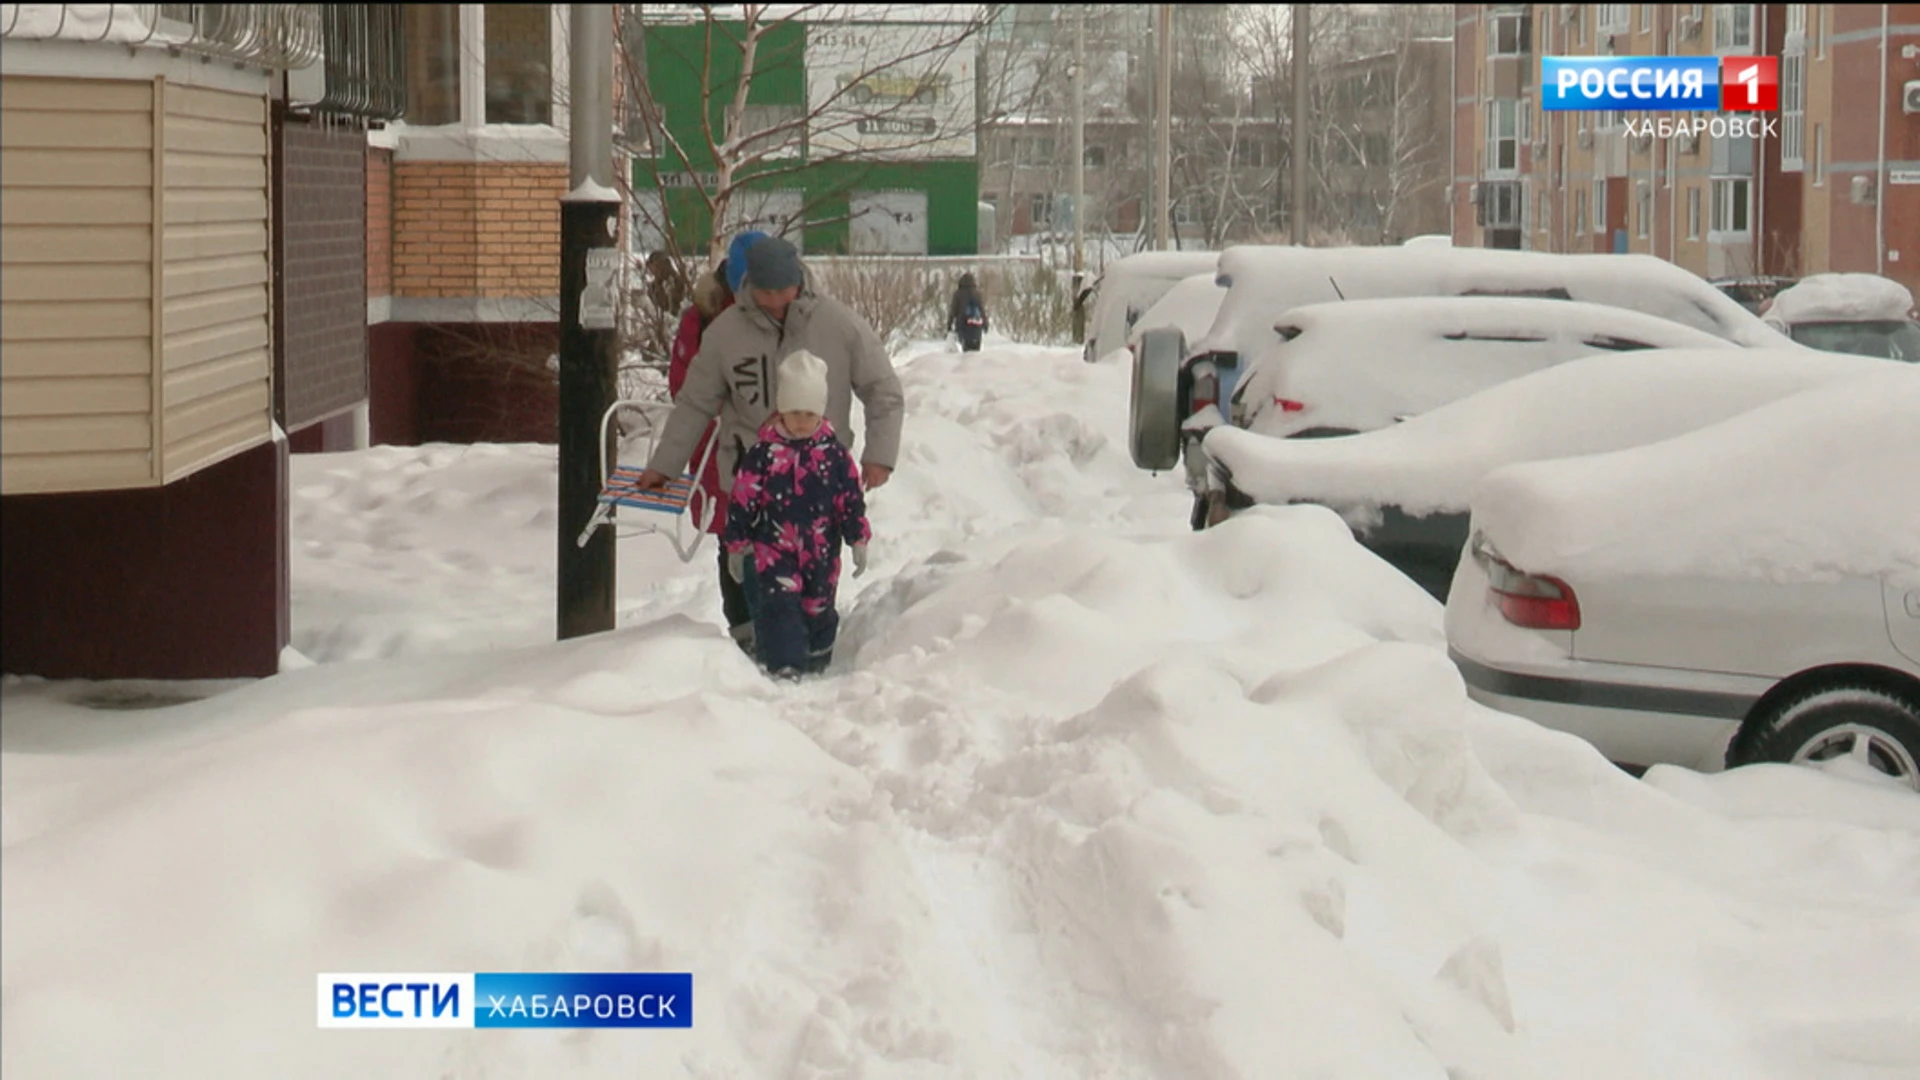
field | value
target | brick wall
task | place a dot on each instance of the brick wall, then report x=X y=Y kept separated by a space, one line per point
x=379 y=222
x=463 y=229
x=321 y=292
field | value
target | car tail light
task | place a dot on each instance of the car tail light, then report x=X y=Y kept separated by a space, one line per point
x=1534 y=601
x=1206 y=387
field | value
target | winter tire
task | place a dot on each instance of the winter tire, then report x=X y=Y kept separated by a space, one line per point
x=1877 y=726
x=1153 y=430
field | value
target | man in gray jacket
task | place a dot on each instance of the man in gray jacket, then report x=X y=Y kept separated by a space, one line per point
x=732 y=376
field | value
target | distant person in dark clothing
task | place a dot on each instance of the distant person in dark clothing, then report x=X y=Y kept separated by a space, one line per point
x=666 y=289
x=967 y=314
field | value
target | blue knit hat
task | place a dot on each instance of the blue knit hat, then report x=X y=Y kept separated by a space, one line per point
x=737 y=257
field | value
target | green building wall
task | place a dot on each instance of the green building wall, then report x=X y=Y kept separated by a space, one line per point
x=677 y=56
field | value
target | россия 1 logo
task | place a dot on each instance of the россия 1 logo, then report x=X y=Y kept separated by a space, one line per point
x=1660 y=83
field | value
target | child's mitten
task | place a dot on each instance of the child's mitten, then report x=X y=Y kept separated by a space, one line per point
x=859 y=559
x=737 y=566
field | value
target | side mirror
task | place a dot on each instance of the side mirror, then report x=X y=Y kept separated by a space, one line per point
x=1153 y=428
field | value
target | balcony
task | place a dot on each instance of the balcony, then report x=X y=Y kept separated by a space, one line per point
x=270 y=36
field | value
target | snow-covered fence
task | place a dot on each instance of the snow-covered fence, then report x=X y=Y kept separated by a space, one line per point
x=908 y=295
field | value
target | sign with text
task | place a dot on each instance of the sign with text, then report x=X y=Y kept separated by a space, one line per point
x=1660 y=83
x=890 y=90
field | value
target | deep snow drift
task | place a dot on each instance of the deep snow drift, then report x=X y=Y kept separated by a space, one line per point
x=1086 y=795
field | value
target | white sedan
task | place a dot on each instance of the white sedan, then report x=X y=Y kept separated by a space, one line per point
x=1747 y=592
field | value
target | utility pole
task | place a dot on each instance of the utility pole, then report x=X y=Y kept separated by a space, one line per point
x=1302 y=19
x=1163 y=132
x=1079 y=169
x=589 y=336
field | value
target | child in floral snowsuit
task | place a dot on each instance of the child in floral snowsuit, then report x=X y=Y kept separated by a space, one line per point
x=796 y=497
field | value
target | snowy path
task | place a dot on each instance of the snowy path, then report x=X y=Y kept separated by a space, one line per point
x=1086 y=795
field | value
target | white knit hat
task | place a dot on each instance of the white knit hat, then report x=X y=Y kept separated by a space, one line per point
x=802 y=384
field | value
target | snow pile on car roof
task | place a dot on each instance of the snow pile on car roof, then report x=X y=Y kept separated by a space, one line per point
x=1809 y=488
x=1189 y=307
x=1361 y=364
x=1268 y=282
x=1840 y=298
x=1430 y=463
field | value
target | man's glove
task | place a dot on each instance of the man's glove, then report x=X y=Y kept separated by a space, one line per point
x=737 y=566
x=859 y=559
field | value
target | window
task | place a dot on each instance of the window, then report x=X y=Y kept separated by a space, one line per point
x=1819 y=156
x=1693 y=213
x=1510 y=34
x=1818 y=30
x=1600 y=205
x=519 y=58
x=1793 y=111
x=1540 y=211
x=1503 y=138
x=1730 y=205
x=1186 y=212
x=1646 y=18
x=1036 y=152
x=433 y=63
x=1503 y=203
x=1096 y=156
x=1732 y=27
x=1579 y=211
x=1614 y=18
x=1252 y=152
x=1041 y=209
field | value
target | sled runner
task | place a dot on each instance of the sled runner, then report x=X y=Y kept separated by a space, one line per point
x=680 y=511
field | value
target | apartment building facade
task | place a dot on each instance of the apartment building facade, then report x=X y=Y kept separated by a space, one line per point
x=462 y=230
x=1835 y=186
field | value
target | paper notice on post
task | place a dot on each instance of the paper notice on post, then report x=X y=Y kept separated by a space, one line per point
x=597 y=299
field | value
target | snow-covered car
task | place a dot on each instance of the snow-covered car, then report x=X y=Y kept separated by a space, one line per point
x=1348 y=367
x=1747 y=592
x=1364 y=364
x=1264 y=284
x=1851 y=313
x=1753 y=292
x=1405 y=489
x=1189 y=308
x=1128 y=287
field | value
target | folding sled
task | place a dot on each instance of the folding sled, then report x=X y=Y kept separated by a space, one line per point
x=680 y=511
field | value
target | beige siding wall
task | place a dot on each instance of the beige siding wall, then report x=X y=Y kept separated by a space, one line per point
x=134 y=269
x=216 y=391
x=77 y=281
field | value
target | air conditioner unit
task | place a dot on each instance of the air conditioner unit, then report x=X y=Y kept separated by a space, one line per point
x=1605 y=44
x=1861 y=191
x=1690 y=143
x=1689 y=28
x=1586 y=140
x=1540 y=148
x=1475 y=195
x=1910 y=97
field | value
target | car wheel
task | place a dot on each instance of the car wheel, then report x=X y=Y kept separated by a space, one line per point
x=1875 y=726
x=1153 y=433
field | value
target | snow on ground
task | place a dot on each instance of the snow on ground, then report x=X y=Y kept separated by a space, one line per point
x=1085 y=795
